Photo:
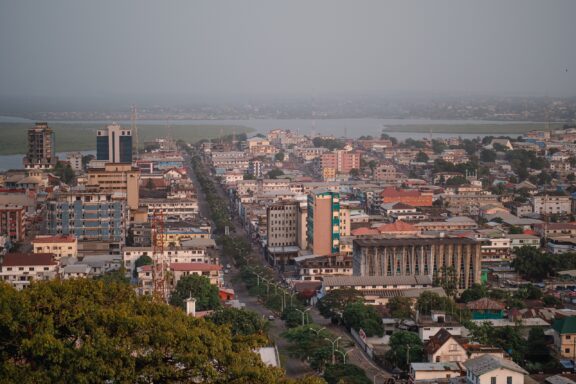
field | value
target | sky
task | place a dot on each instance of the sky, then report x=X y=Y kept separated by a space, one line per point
x=72 y=48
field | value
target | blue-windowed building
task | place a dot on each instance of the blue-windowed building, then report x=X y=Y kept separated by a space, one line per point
x=114 y=144
x=88 y=216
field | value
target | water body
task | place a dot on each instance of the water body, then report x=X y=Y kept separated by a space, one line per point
x=351 y=128
x=15 y=161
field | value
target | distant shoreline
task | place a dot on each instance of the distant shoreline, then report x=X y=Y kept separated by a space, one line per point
x=481 y=129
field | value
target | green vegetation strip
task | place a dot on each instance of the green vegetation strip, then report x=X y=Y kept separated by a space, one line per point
x=516 y=128
x=82 y=136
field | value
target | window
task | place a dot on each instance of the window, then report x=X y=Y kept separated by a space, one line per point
x=493 y=380
x=568 y=337
x=509 y=380
x=567 y=350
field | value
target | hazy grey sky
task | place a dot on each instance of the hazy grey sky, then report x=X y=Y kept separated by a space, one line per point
x=68 y=48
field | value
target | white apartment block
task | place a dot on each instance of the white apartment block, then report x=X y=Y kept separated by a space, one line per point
x=550 y=204
x=19 y=269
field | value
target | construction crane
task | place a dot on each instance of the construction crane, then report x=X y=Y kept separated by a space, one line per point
x=159 y=263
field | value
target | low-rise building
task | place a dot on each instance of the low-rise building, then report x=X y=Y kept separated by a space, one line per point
x=489 y=369
x=521 y=240
x=434 y=372
x=212 y=272
x=565 y=336
x=20 y=269
x=429 y=326
x=12 y=222
x=444 y=347
x=60 y=246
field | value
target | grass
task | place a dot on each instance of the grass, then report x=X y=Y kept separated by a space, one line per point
x=82 y=136
x=518 y=128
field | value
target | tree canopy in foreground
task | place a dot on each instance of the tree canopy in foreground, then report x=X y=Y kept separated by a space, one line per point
x=87 y=331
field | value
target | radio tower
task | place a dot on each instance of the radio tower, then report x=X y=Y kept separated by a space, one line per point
x=135 y=130
x=159 y=263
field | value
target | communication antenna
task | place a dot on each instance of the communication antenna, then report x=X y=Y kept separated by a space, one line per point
x=159 y=263
x=135 y=130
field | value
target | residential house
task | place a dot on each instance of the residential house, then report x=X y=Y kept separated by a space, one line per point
x=20 y=269
x=565 y=336
x=444 y=347
x=488 y=369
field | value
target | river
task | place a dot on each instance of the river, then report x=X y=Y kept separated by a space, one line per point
x=338 y=127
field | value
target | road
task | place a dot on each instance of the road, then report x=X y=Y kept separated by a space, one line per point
x=293 y=367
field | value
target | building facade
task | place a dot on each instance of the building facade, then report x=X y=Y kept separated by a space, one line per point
x=88 y=216
x=60 y=246
x=116 y=178
x=114 y=144
x=12 y=222
x=441 y=257
x=41 y=147
x=323 y=233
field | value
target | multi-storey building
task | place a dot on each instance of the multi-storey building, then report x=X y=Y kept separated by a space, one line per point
x=19 y=269
x=60 y=246
x=282 y=231
x=341 y=161
x=212 y=272
x=114 y=144
x=12 y=221
x=75 y=160
x=385 y=172
x=173 y=255
x=323 y=222
x=120 y=179
x=551 y=204
x=255 y=168
x=441 y=257
x=88 y=215
x=182 y=209
x=41 y=147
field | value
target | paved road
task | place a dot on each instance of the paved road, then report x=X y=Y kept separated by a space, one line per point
x=293 y=367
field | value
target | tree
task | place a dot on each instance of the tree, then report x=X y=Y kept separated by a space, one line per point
x=198 y=287
x=421 y=157
x=551 y=301
x=292 y=317
x=515 y=230
x=332 y=305
x=457 y=180
x=487 y=156
x=242 y=322
x=360 y=316
x=405 y=348
x=87 y=331
x=275 y=173
x=400 y=307
x=354 y=172
x=86 y=159
x=529 y=292
x=345 y=373
x=150 y=184
x=533 y=264
x=64 y=172
x=279 y=156
x=438 y=146
x=142 y=260
x=475 y=292
x=372 y=164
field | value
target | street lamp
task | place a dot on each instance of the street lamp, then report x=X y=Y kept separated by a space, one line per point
x=303 y=312
x=344 y=354
x=333 y=347
x=317 y=331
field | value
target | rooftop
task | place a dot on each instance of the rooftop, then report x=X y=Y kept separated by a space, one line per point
x=391 y=242
x=27 y=259
x=376 y=280
x=488 y=363
x=54 y=239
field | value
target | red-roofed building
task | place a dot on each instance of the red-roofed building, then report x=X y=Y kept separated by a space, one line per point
x=213 y=272
x=58 y=245
x=398 y=227
x=407 y=196
x=19 y=269
x=364 y=231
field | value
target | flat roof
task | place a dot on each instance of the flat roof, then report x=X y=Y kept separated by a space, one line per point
x=382 y=242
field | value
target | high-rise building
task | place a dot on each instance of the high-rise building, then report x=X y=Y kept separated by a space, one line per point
x=121 y=179
x=444 y=258
x=114 y=144
x=323 y=222
x=41 y=143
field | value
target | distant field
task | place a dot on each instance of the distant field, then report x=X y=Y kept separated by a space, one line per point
x=82 y=137
x=474 y=128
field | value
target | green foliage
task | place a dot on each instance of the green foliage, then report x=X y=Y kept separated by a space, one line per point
x=275 y=173
x=292 y=317
x=235 y=247
x=354 y=172
x=551 y=301
x=487 y=156
x=87 y=331
x=533 y=264
x=475 y=292
x=331 y=144
x=279 y=156
x=400 y=307
x=438 y=146
x=457 y=180
x=508 y=338
x=405 y=345
x=64 y=172
x=309 y=343
x=115 y=277
x=198 y=287
x=515 y=230
x=142 y=260
x=345 y=374
x=242 y=323
x=431 y=301
x=421 y=157
x=529 y=292
x=360 y=316
x=332 y=305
